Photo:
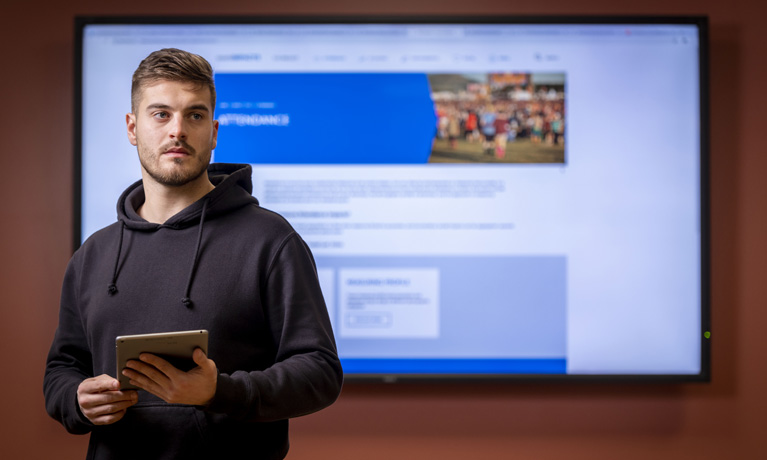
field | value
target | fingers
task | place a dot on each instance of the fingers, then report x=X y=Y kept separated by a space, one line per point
x=155 y=361
x=162 y=379
x=106 y=414
x=150 y=366
x=151 y=370
x=98 y=384
x=102 y=402
x=151 y=373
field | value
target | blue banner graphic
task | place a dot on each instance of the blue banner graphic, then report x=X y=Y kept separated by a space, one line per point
x=324 y=118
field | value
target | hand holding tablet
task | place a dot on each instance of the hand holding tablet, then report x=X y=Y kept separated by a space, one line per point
x=177 y=348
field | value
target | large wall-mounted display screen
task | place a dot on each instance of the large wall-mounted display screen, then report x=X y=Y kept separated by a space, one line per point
x=491 y=197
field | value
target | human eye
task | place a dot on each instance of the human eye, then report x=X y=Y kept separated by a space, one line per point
x=160 y=115
x=196 y=116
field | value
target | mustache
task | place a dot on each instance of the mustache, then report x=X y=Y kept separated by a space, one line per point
x=174 y=145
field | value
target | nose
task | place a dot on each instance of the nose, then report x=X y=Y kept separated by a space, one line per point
x=178 y=128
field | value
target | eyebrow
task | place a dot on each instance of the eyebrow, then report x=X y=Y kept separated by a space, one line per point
x=200 y=107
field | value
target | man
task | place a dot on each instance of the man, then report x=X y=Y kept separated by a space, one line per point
x=191 y=250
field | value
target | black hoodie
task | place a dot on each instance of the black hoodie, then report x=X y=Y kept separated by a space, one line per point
x=223 y=264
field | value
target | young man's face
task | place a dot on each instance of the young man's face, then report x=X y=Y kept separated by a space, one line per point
x=174 y=131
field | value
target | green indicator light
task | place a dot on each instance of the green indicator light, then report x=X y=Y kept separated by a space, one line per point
x=707 y=335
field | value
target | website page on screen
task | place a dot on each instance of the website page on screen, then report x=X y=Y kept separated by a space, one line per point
x=478 y=198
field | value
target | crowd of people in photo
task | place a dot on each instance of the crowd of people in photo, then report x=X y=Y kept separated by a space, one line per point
x=494 y=122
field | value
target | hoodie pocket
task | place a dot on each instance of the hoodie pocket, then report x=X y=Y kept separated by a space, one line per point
x=162 y=431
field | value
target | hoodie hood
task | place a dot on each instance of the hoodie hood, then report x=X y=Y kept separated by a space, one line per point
x=233 y=188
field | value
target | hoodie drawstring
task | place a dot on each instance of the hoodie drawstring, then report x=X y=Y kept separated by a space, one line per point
x=186 y=300
x=112 y=288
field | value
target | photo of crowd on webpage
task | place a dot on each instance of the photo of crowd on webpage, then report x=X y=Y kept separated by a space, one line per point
x=499 y=118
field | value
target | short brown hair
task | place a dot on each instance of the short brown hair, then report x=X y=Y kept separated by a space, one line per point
x=173 y=65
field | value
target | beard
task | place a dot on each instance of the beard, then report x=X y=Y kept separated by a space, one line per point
x=183 y=170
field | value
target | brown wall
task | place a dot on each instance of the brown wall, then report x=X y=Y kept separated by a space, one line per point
x=723 y=419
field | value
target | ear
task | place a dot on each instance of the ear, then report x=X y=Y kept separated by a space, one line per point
x=215 y=134
x=130 y=121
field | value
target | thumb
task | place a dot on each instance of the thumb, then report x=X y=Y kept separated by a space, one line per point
x=199 y=357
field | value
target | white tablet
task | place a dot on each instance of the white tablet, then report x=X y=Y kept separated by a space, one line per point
x=175 y=347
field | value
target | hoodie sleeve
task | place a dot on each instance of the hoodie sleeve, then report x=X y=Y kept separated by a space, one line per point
x=69 y=361
x=307 y=374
